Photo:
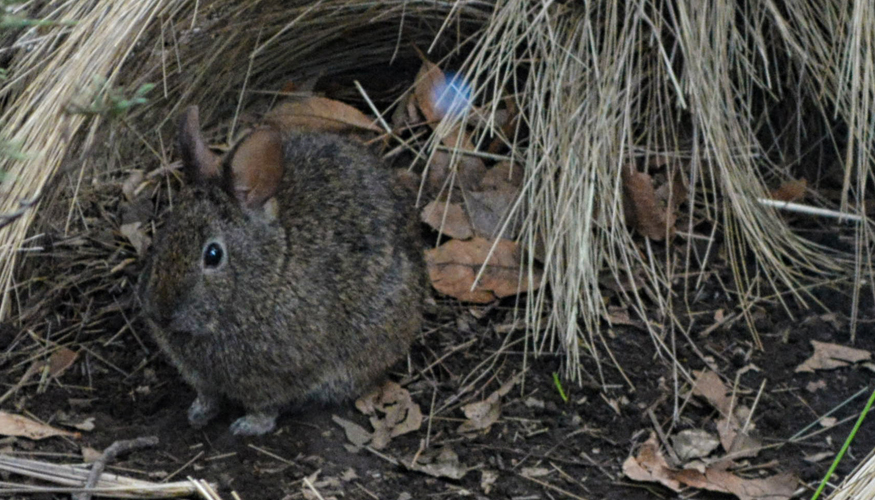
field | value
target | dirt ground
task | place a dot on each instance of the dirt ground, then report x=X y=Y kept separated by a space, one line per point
x=541 y=447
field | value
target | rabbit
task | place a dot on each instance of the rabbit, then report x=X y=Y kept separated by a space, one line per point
x=290 y=271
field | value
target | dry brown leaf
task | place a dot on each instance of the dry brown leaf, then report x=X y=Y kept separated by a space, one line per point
x=60 y=360
x=482 y=414
x=355 y=434
x=445 y=464
x=650 y=465
x=790 y=191
x=453 y=268
x=643 y=209
x=469 y=171
x=503 y=174
x=488 y=211
x=448 y=218
x=429 y=78
x=831 y=356
x=709 y=386
x=319 y=114
x=694 y=443
x=18 y=425
x=400 y=414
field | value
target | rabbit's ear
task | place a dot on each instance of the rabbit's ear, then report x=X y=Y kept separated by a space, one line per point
x=257 y=167
x=198 y=162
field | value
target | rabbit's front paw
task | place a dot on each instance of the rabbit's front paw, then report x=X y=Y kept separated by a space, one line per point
x=203 y=410
x=254 y=424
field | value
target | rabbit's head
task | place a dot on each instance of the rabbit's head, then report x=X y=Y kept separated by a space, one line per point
x=221 y=244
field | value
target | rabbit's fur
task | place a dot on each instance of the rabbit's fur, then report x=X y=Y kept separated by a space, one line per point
x=320 y=284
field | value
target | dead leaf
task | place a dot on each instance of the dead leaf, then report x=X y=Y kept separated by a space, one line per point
x=790 y=191
x=319 y=114
x=134 y=233
x=429 y=78
x=453 y=268
x=694 y=443
x=469 y=171
x=445 y=464
x=392 y=413
x=60 y=360
x=448 y=218
x=355 y=434
x=489 y=210
x=482 y=414
x=503 y=174
x=831 y=356
x=814 y=386
x=650 y=465
x=643 y=210
x=709 y=386
x=18 y=425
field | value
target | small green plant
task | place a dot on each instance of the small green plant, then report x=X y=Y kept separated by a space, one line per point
x=558 y=384
x=111 y=102
x=845 y=446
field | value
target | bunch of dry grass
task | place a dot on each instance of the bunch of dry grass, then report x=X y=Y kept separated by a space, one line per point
x=697 y=88
x=734 y=96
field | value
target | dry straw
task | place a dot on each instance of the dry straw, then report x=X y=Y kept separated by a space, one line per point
x=600 y=85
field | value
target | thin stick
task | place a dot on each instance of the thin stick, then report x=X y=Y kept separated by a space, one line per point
x=111 y=453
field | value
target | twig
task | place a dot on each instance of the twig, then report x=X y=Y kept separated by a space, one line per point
x=114 y=450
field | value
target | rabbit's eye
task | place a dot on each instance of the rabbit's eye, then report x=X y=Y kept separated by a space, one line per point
x=213 y=255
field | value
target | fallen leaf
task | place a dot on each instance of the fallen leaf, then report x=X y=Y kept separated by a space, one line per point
x=694 y=443
x=482 y=414
x=453 y=269
x=790 y=191
x=448 y=218
x=392 y=413
x=827 y=422
x=134 y=233
x=489 y=211
x=501 y=175
x=831 y=356
x=643 y=210
x=814 y=386
x=469 y=171
x=86 y=425
x=708 y=385
x=445 y=464
x=428 y=80
x=18 y=425
x=355 y=434
x=319 y=114
x=60 y=360
x=650 y=465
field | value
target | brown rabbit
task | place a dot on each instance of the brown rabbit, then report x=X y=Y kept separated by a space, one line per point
x=289 y=271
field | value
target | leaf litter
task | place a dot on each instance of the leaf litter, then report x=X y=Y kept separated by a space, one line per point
x=650 y=465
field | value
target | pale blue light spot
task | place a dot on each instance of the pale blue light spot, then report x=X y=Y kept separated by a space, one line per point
x=453 y=98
